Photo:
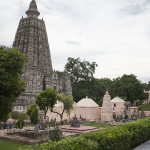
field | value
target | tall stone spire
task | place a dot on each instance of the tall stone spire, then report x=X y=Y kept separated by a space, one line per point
x=107 y=110
x=33 y=11
x=32 y=40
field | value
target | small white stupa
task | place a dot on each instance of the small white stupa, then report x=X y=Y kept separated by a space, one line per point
x=107 y=109
x=88 y=109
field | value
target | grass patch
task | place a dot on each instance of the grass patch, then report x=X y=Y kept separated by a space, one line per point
x=102 y=125
x=146 y=107
x=8 y=145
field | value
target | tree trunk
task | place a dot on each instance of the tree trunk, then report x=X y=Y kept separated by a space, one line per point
x=61 y=118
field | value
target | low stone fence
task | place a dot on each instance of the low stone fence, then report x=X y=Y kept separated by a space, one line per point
x=40 y=134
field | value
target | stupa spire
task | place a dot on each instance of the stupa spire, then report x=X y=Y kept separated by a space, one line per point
x=33 y=11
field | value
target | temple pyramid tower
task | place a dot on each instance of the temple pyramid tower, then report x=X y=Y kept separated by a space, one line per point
x=32 y=40
x=107 y=109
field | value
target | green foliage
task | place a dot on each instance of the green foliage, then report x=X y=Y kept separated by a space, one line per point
x=46 y=99
x=146 y=107
x=102 y=125
x=55 y=135
x=146 y=86
x=122 y=137
x=32 y=111
x=20 y=123
x=17 y=115
x=11 y=84
x=94 y=89
x=127 y=87
x=9 y=145
x=140 y=107
x=74 y=143
x=67 y=102
x=80 y=70
x=138 y=102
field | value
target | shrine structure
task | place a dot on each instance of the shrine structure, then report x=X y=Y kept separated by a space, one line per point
x=107 y=109
x=32 y=40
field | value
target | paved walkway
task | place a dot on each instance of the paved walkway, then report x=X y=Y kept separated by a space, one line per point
x=2 y=132
x=144 y=146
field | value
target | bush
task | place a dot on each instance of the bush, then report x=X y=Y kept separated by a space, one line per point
x=20 y=123
x=32 y=111
x=17 y=115
x=122 y=137
x=75 y=143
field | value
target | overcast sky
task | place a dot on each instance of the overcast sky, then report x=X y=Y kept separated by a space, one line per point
x=113 y=33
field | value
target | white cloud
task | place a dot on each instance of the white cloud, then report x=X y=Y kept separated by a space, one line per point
x=113 y=33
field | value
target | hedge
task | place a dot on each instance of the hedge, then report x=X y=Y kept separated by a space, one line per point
x=122 y=137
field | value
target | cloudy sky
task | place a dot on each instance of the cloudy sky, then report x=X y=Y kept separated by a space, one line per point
x=113 y=33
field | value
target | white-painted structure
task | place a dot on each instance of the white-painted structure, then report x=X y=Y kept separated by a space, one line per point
x=88 y=109
x=107 y=109
x=119 y=105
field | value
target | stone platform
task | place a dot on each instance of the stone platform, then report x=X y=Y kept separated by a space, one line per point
x=67 y=130
x=79 y=129
x=28 y=137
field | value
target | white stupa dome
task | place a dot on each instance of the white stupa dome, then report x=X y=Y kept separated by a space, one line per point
x=87 y=102
x=117 y=99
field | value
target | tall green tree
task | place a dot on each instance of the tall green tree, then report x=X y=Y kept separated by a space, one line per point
x=46 y=100
x=32 y=111
x=11 y=83
x=80 y=70
x=98 y=89
x=81 y=74
x=67 y=102
x=127 y=87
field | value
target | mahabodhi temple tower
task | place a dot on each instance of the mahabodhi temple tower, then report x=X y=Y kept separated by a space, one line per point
x=31 y=39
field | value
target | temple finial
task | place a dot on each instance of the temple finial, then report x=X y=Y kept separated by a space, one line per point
x=107 y=93
x=33 y=11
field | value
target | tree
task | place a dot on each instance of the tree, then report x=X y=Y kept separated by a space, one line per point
x=146 y=86
x=67 y=102
x=81 y=74
x=46 y=99
x=32 y=111
x=98 y=88
x=80 y=70
x=11 y=84
x=127 y=87
x=17 y=115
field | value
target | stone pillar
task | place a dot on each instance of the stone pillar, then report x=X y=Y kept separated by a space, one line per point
x=107 y=109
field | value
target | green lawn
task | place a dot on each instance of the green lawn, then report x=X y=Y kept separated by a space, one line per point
x=146 y=107
x=8 y=145
x=94 y=124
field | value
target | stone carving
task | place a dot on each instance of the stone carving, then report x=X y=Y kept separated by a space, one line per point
x=32 y=40
x=75 y=122
x=107 y=109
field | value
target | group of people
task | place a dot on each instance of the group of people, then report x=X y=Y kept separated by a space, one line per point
x=44 y=126
x=5 y=126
